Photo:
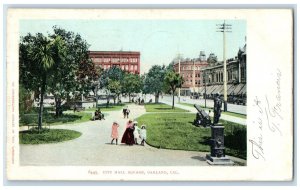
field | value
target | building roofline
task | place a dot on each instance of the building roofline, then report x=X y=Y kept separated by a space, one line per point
x=118 y=52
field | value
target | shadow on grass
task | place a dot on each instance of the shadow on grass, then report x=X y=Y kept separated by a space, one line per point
x=49 y=118
x=63 y=119
x=163 y=109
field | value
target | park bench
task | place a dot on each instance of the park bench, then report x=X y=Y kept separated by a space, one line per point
x=202 y=118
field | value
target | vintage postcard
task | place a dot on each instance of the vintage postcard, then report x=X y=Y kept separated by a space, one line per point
x=150 y=94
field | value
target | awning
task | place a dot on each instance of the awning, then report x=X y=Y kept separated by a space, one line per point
x=243 y=90
x=218 y=89
x=230 y=89
x=214 y=89
x=209 y=89
x=238 y=89
x=201 y=89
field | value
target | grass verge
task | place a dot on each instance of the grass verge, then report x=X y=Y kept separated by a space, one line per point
x=176 y=131
x=225 y=113
x=46 y=136
x=160 y=107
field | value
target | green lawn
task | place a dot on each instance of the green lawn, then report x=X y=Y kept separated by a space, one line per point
x=49 y=118
x=225 y=113
x=176 y=131
x=45 y=136
x=160 y=107
x=192 y=105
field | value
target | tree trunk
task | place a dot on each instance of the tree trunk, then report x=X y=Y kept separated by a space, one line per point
x=118 y=97
x=58 y=109
x=107 y=103
x=129 y=97
x=156 y=97
x=41 y=104
x=173 y=100
x=115 y=100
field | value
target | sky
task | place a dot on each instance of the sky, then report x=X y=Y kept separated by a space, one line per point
x=158 y=41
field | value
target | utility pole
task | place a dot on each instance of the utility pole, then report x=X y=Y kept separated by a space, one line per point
x=204 y=80
x=224 y=28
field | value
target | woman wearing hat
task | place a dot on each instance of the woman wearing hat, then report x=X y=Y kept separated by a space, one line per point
x=114 y=132
x=128 y=137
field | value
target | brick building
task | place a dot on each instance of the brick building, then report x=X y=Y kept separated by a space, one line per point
x=126 y=60
x=190 y=70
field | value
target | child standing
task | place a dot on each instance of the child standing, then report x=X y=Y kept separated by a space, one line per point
x=114 y=132
x=136 y=131
x=143 y=134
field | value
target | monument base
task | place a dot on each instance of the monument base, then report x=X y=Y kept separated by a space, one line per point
x=219 y=160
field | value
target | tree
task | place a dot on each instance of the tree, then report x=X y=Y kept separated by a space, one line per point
x=51 y=64
x=173 y=81
x=115 y=88
x=131 y=83
x=75 y=72
x=25 y=100
x=108 y=80
x=37 y=58
x=153 y=82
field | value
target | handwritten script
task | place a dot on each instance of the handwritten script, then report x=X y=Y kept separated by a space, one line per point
x=268 y=111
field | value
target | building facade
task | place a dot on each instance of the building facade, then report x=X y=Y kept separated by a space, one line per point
x=190 y=70
x=212 y=81
x=126 y=60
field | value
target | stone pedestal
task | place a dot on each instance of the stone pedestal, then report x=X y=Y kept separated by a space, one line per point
x=219 y=160
x=217 y=148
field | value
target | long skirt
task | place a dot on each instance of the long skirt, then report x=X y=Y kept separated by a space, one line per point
x=128 y=137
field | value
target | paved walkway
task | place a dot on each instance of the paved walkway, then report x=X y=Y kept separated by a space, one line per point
x=93 y=148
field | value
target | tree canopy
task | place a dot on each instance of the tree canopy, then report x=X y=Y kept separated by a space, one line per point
x=173 y=81
x=153 y=82
x=131 y=83
x=53 y=64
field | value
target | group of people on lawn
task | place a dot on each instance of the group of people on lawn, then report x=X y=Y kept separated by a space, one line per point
x=131 y=134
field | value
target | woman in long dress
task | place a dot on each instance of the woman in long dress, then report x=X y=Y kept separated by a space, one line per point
x=128 y=137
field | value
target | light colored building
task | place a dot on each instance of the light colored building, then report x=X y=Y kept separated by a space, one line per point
x=212 y=81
